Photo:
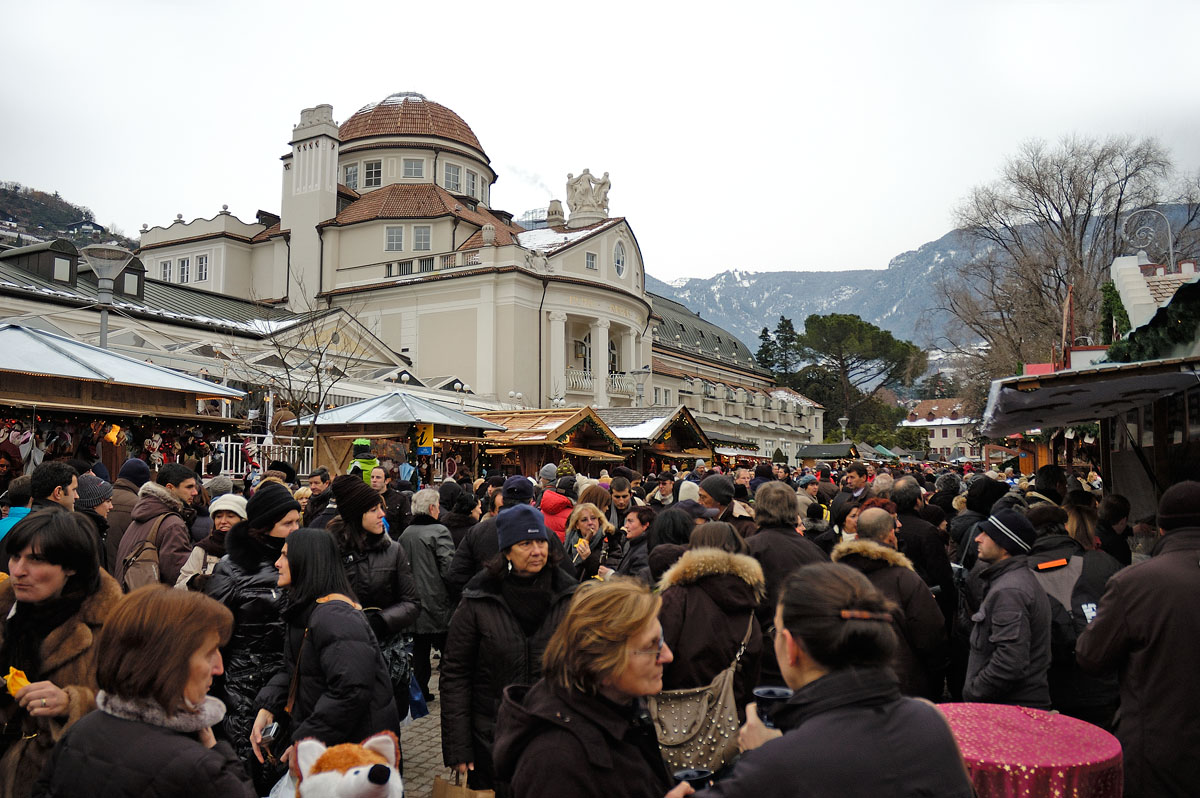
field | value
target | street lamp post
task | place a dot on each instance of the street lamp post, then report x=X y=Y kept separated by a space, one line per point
x=639 y=377
x=842 y=422
x=107 y=262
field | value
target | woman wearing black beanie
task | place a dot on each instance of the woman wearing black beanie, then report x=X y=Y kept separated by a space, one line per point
x=379 y=573
x=246 y=581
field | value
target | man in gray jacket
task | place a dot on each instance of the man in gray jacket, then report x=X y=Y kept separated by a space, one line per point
x=430 y=548
x=1010 y=643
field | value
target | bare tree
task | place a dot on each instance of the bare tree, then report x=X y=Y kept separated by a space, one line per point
x=1050 y=225
x=303 y=359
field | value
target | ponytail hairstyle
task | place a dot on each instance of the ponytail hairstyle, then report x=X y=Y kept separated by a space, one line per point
x=838 y=616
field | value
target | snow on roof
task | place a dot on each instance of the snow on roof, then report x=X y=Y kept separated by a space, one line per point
x=643 y=430
x=28 y=350
x=792 y=396
x=548 y=239
x=940 y=422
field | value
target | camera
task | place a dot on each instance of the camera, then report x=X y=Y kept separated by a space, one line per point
x=269 y=733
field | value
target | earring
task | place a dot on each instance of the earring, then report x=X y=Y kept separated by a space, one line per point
x=510 y=565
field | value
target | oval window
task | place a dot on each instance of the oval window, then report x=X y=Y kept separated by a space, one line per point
x=619 y=259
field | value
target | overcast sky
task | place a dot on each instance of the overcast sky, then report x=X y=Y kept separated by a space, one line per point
x=759 y=136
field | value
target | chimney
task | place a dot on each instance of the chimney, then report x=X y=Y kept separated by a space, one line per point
x=554 y=214
x=1187 y=267
x=489 y=235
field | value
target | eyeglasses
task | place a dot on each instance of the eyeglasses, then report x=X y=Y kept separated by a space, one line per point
x=657 y=651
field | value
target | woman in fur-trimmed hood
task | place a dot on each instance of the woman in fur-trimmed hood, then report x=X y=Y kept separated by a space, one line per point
x=709 y=597
x=920 y=659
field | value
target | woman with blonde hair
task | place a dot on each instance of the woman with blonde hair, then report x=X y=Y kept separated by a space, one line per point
x=589 y=536
x=583 y=730
x=1081 y=524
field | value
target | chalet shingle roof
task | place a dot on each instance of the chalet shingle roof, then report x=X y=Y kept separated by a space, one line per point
x=408 y=114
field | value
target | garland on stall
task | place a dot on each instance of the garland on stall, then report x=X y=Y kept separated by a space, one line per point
x=1175 y=325
x=1114 y=318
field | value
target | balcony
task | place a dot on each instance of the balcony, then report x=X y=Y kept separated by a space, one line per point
x=621 y=385
x=428 y=264
x=579 y=380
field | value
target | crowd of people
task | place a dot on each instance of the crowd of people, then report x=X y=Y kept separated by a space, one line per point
x=211 y=625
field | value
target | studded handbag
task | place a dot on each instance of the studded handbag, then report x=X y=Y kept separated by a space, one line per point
x=697 y=726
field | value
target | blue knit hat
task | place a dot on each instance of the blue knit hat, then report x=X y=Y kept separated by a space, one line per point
x=522 y=522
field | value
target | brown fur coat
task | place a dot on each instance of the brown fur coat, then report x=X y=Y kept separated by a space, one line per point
x=69 y=661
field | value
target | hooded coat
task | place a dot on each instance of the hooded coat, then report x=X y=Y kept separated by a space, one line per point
x=553 y=742
x=850 y=734
x=709 y=597
x=557 y=509
x=920 y=661
x=124 y=497
x=246 y=581
x=68 y=656
x=486 y=651
x=174 y=539
x=1146 y=628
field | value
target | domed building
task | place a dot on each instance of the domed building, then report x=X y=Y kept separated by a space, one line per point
x=389 y=217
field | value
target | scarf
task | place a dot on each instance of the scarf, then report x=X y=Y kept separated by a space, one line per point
x=30 y=624
x=528 y=598
x=214 y=544
x=149 y=711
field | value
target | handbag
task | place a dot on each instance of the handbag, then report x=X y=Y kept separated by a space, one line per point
x=697 y=726
x=286 y=723
x=141 y=566
x=445 y=789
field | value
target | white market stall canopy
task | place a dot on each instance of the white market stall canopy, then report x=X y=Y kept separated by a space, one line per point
x=1017 y=404
x=397 y=407
x=27 y=350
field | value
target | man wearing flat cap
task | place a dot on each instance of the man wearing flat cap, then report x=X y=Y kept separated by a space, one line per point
x=1009 y=661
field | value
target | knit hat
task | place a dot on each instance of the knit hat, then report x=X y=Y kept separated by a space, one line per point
x=689 y=490
x=984 y=493
x=1010 y=530
x=699 y=463
x=99 y=469
x=92 y=491
x=719 y=487
x=522 y=522
x=548 y=472
x=517 y=489
x=354 y=498
x=270 y=502
x=219 y=485
x=806 y=480
x=567 y=487
x=229 y=503
x=135 y=470
x=1180 y=506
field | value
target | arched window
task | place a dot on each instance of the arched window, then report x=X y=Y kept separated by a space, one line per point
x=619 y=259
x=587 y=354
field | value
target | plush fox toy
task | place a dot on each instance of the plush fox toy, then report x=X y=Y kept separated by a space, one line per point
x=349 y=770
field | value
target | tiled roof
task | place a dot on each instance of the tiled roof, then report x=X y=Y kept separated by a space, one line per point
x=270 y=232
x=934 y=409
x=192 y=239
x=345 y=191
x=420 y=201
x=682 y=329
x=1163 y=287
x=408 y=114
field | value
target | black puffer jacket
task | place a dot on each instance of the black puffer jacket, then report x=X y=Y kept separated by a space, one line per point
x=912 y=751
x=382 y=581
x=246 y=582
x=344 y=694
x=481 y=544
x=108 y=757
x=486 y=651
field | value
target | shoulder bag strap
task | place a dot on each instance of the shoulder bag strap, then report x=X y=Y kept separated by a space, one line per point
x=158 y=522
x=295 y=685
x=737 y=658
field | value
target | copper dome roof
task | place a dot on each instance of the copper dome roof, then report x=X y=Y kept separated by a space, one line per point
x=408 y=114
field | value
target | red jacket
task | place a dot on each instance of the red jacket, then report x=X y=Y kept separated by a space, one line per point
x=557 y=509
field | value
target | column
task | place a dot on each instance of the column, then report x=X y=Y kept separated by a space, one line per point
x=600 y=362
x=629 y=357
x=558 y=355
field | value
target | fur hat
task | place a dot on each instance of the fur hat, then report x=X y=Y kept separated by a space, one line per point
x=1010 y=530
x=1180 y=506
x=719 y=487
x=522 y=522
x=92 y=491
x=354 y=498
x=271 y=501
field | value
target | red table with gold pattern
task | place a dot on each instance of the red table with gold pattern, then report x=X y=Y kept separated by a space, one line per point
x=1018 y=752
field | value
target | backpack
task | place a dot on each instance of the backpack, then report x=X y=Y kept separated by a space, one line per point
x=141 y=566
